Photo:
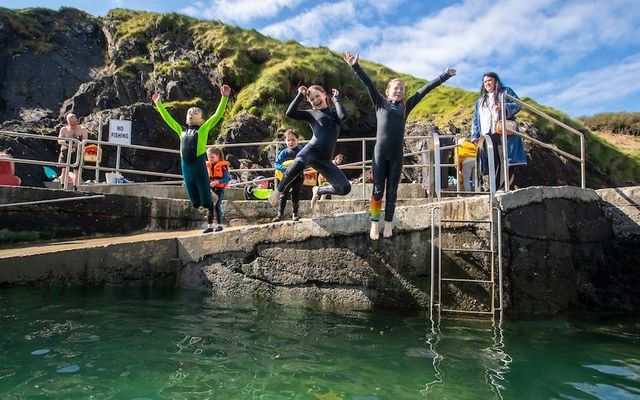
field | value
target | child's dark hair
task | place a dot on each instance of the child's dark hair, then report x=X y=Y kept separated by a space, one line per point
x=217 y=151
x=291 y=132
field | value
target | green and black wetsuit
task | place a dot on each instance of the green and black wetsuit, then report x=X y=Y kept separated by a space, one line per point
x=193 y=146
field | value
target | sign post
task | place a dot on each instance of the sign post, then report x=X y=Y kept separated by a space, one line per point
x=119 y=133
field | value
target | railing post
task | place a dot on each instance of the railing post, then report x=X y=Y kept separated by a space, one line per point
x=275 y=157
x=436 y=164
x=80 y=161
x=583 y=162
x=364 y=168
x=65 y=185
x=505 y=151
x=99 y=137
x=118 y=153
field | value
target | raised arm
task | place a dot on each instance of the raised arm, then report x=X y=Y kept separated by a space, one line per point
x=225 y=91
x=293 y=112
x=352 y=60
x=340 y=109
x=419 y=95
x=173 y=124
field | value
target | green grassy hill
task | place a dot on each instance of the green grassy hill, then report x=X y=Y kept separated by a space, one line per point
x=264 y=74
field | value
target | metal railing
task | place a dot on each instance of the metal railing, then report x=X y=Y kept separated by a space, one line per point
x=81 y=164
x=67 y=164
x=505 y=158
x=438 y=165
x=362 y=165
x=117 y=168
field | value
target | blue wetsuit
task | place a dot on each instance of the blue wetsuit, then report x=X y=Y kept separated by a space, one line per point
x=318 y=152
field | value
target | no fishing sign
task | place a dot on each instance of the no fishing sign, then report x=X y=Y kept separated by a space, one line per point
x=119 y=131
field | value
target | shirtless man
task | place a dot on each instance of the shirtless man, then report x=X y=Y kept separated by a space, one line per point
x=71 y=130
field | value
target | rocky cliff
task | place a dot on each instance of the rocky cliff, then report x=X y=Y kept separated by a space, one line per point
x=54 y=62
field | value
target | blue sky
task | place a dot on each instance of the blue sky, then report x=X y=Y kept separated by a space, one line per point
x=582 y=57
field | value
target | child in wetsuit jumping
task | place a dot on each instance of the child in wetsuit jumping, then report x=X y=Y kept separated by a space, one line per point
x=218 y=169
x=291 y=137
x=391 y=115
x=325 y=125
x=193 y=142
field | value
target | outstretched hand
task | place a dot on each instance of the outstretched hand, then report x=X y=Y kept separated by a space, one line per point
x=155 y=97
x=302 y=90
x=450 y=71
x=335 y=92
x=225 y=90
x=350 y=58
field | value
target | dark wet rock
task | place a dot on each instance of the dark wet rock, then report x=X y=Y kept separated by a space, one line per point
x=247 y=128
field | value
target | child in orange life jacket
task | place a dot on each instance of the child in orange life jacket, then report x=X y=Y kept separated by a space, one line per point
x=218 y=170
x=282 y=163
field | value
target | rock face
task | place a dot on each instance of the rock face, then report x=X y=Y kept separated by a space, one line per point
x=44 y=76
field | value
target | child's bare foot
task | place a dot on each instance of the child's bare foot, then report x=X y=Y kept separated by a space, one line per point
x=374 y=233
x=274 y=198
x=388 y=229
x=315 y=197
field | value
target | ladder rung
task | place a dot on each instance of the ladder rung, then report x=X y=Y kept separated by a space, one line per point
x=466 y=311
x=467 y=250
x=465 y=280
x=467 y=221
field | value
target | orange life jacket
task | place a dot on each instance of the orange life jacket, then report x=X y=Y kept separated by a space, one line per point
x=216 y=171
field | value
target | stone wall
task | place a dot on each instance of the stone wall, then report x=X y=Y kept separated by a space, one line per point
x=564 y=249
x=571 y=249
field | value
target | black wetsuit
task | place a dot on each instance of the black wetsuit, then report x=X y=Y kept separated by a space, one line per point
x=318 y=152
x=387 y=153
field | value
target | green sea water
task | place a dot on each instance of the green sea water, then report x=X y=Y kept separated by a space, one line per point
x=141 y=343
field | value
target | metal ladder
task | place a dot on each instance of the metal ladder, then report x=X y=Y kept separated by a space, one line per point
x=493 y=250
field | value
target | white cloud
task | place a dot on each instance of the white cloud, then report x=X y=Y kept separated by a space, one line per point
x=356 y=37
x=238 y=10
x=588 y=91
x=314 y=26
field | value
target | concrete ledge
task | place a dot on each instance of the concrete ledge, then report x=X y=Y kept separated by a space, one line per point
x=536 y=194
